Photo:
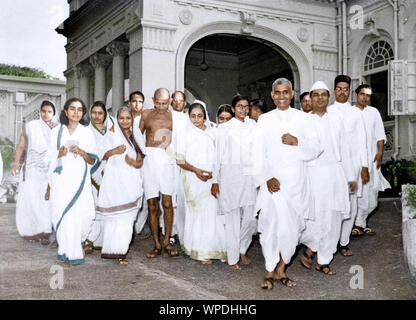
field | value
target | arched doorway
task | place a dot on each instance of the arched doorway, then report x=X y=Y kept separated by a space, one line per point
x=220 y=65
x=277 y=42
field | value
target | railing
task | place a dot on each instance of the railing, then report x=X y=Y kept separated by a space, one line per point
x=389 y=145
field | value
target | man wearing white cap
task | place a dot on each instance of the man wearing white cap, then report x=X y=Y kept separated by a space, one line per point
x=283 y=143
x=328 y=176
x=357 y=144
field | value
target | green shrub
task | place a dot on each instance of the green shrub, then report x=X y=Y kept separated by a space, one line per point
x=12 y=70
x=397 y=173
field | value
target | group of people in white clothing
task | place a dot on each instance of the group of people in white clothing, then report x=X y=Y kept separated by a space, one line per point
x=292 y=177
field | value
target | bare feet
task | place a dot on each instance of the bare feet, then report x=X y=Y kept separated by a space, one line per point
x=245 y=260
x=155 y=252
x=171 y=251
x=235 y=267
x=123 y=261
x=206 y=262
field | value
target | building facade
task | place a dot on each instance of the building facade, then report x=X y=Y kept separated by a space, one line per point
x=20 y=100
x=213 y=49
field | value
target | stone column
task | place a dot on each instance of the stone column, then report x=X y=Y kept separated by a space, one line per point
x=99 y=62
x=84 y=72
x=135 y=59
x=118 y=50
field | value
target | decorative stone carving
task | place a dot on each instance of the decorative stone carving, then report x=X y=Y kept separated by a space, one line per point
x=325 y=58
x=118 y=48
x=248 y=20
x=83 y=70
x=100 y=60
x=185 y=16
x=302 y=34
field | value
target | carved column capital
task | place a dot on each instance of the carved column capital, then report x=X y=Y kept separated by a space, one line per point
x=118 y=48
x=83 y=70
x=98 y=60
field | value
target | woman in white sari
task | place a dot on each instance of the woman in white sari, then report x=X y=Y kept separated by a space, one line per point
x=121 y=188
x=204 y=232
x=33 y=218
x=101 y=123
x=72 y=155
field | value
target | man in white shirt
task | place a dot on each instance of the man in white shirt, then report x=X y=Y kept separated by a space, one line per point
x=283 y=143
x=357 y=148
x=330 y=177
x=376 y=138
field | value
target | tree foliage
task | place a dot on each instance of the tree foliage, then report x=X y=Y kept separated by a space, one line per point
x=12 y=70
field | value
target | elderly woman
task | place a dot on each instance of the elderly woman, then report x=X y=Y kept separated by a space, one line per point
x=121 y=189
x=33 y=218
x=72 y=155
x=204 y=233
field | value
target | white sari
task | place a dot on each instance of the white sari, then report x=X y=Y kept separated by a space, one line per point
x=120 y=197
x=72 y=202
x=33 y=218
x=204 y=231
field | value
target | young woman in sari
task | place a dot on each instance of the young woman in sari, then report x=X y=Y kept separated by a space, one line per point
x=101 y=123
x=121 y=189
x=33 y=218
x=204 y=232
x=72 y=155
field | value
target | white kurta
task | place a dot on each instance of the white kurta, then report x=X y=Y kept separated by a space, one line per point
x=353 y=124
x=119 y=198
x=329 y=175
x=237 y=190
x=283 y=213
x=375 y=132
x=204 y=233
x=33 y=219
x=72 y=202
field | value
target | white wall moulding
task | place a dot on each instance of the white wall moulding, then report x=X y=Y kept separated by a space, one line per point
x=402 y=78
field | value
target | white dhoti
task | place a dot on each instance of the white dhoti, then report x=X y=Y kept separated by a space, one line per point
x=279 y=227
x=348 y=224
x=158 y=175
x=240 y=227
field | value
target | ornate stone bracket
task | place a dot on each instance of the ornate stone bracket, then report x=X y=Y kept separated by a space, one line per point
x=248 y=20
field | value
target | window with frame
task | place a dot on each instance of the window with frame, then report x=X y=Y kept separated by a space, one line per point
x=379 y=55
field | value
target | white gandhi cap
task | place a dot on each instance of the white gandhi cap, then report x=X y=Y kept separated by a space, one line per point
x=319 y=85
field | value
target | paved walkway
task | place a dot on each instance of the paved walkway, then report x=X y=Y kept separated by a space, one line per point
x=27 y=270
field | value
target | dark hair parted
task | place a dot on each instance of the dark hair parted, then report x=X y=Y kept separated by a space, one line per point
x=342 y=78
x=136 y=92
x=362 y=86
x=303 y=95
x=48 y=103
x=197 y=105
x=64 y=119
x=238 y=97
x=225 y=108
x=260 y=103
x=99 y=104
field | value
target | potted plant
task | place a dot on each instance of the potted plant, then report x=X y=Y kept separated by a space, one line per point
x=409 y=226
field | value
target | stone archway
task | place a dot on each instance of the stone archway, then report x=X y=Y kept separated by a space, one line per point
x=277 y=41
